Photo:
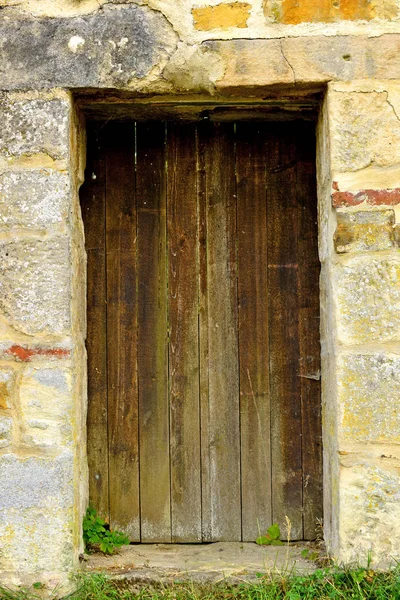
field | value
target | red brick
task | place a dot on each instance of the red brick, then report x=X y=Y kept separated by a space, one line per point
x=25 y=354
x=371 y=197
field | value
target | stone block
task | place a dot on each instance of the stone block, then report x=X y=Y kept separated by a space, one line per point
x=364 y=231
x=221 y=16
x=367 y=294
x=35 y=285
x=310 y=60
x=368 y=395
x=32 y=126
x=46 y=405
x=38 y=483
x=293 y=12
x=34 y=199
x=369 y=515
x=5 y=431
x=36 y=520
x=109 y=48
x=7 y=382
x=365 y=130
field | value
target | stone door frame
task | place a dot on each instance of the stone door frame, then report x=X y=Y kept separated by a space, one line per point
x=42 y=277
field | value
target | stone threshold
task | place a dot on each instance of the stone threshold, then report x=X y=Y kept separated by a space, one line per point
x=219 y=562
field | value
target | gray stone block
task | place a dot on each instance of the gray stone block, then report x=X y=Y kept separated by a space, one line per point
x=106 y=49
x=33 y=198
x=34 y=126
x=35 y=286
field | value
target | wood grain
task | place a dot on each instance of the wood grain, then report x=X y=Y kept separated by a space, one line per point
x=204 y=419
x=152 y=335
x=253 y=330
x=183 y=334
x=93 y=201
x=310 y=351
x=122 y=329
x=285 y=385
x=223 y=500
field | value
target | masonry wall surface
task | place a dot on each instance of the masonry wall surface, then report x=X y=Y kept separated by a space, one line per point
x=276 y=54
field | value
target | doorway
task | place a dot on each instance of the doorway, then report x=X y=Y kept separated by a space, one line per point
x=204 y=418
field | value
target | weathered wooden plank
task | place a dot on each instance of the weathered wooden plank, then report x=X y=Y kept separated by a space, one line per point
x=201 y=143
x=152 y=335
x=122 y=329
x=183 y=334
x=253 y=330
x=93 y=201
x=223 y=488
x=285 y=384
x=308 y=301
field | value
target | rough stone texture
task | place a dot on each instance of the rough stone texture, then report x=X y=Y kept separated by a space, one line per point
x=231 y=562
x=110 y=48
x=35 y=288
x=193 y=69
x=7 y=382
x=221 y=16
x=308 y=61
x=294 y=12
x=46 y=407
x=370 y=513
x=367 y=291
x=366 y=131
x=360 y=325
x=33 y=126
x=43 y=487
x=365 y=231
x=5 y=431
x=34 y=198
x=368 y=398
x=36 y=497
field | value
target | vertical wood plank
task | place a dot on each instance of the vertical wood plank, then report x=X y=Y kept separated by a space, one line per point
x=152 y=335
x=285 y=384
x=310 y=351
x=92 y=195
x=183 y=333
x=223 y=488
x=122 y=329
x=201 y=144
x=253 y=330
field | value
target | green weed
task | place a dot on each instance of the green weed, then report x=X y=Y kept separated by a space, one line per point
x=324 y=584
x=97 y=534
x=271 y=538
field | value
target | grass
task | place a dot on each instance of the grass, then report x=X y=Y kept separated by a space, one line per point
x=329 y=583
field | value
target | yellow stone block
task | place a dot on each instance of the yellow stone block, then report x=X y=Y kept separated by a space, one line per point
x=292 y=12
x=221 y=16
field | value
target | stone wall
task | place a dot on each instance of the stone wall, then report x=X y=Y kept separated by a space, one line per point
x=359 y=174
x=274 y=53
x=42 y=356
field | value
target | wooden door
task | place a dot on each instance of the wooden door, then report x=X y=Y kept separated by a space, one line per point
x=203 y=329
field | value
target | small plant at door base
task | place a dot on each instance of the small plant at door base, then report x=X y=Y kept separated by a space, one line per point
x=97 y=534
x=271 y=538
